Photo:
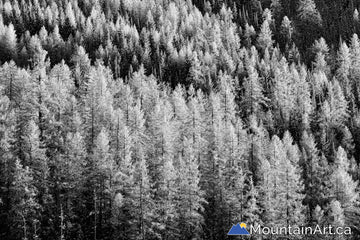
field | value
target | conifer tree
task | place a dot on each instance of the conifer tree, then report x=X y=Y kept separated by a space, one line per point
x=334 y=115
x=286 y=31
x=182 y=114
x=227 y=99
x=284 y=104
x=307 y=12
x=8 y=43
x=214 y=169
x=81 y=62
x=72 y=172
x=343 y=187
x=266 y=191
x=336 y=216
x=25 y=207
x=344 y=63
x=6 y=164
x=277 y=158
x=191 y=195
x=166 y=217
x=101 y=170
x=161 y=169
x=197 y=129
x=258 y=149
x=97 y=102
x=302 y=104
x=355 y=63
x=35 y=154
x=145 y=204
x=265 y=36
x=249 y=34
x=253 y=92
x=321 y=51
x=252 y=210
x=294 y=185
x=14 y=82
x=315 y=172
x=123 y=179
x=35 y=158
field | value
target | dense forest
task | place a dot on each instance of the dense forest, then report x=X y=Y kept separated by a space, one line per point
x=173 y=119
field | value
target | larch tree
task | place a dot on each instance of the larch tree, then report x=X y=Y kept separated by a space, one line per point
x=72 y=171
x=124 y=185
x=226 y=91
x=8 y=43
x=249 y=34
x=234 y=176
x=214 y=169
x=321 y=58
x=253 y=92
x=197 y=128
x=58 y=87
x=318 y=219
x=283 y=188
x=144 y=208
x=25 y=207
x=294 y=187
x=101 y=171
x=315 y=172
x=334 y=115
x=354 y=67
x=277 y=158
x=283 y=90
x=161 y=168
x=257 y=149
x=7 y=161
x=35 y=158
x=252 y=210
x=82 y=67
x=343 y=70
x=338 y=103
x=167 y=218
x=196 y=75
x=302 y=103
x=266 y=191
x=98 y=109
x=336 y=217
x=137 y=126
x=342 y=187
x=13 y=81
x=286 y=30
x=181 y=111
x=307 y=12
x=190 y=193
x=265 y=36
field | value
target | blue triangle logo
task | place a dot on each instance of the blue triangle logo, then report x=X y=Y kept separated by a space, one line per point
x=238 y=230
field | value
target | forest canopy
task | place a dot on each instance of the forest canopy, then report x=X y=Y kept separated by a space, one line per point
x=173 y=119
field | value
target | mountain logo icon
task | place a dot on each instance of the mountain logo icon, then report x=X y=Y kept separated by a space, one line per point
x=238 y=229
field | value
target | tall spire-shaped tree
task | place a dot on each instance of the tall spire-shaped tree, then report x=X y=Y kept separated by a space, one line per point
x=25 y=207
x=315 y=172
x=265 y=36
x=343 y=187
x=191 y=195
x=342 y=73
